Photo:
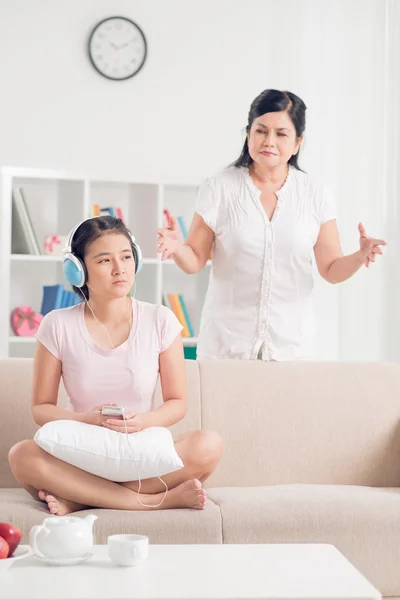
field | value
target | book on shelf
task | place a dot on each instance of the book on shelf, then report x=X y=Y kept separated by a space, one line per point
x=178 y=306
x=167 y=218
x=56 y=296
x=120 y=215
x=177 y=309
x=183 y=227
x=23 y=237
x=186 y=315
x=108 y=210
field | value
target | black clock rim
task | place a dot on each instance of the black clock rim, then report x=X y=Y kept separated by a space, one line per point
x=145 y=47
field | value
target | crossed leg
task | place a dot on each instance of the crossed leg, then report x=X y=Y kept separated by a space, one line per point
x=67 y=489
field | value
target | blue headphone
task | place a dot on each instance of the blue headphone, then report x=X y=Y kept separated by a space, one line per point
x=74 y=268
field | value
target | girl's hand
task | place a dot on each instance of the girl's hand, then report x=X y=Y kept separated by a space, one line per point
x=168 y=239
x=94 y=416
x=133 y=422
x=369 y=247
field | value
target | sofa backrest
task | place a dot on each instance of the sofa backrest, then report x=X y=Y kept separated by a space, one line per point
x=304 y=422
x=327 y=423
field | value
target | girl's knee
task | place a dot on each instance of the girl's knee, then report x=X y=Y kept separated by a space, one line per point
x=214 y=443
x=21 y=455
x=206 y=446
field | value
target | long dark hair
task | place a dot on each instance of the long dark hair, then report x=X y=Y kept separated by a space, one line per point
x=88 y=232
x=275 y=101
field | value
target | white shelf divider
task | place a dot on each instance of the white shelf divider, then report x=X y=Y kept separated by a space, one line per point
x=35 y=258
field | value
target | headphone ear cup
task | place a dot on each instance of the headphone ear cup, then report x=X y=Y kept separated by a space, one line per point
x=74 y=270
x=137 y=255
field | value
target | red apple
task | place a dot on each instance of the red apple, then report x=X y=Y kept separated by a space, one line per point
x=11 y=535
x=4 y=548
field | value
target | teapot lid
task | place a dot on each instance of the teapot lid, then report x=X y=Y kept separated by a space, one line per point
x=59 y=521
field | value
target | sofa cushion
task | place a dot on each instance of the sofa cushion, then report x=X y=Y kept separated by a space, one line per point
x=180 y=526
x=362 y=522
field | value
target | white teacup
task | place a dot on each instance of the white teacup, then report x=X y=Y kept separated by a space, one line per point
x=128 y=550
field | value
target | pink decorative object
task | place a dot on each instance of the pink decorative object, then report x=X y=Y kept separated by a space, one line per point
x=25 y=321
x=54 y=244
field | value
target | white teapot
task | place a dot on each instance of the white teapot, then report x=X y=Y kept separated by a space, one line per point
x=63 y=537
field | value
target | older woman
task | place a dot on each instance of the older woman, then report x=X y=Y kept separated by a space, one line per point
x=264 y=219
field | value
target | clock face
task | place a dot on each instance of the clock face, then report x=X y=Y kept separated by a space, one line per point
x=117 y=48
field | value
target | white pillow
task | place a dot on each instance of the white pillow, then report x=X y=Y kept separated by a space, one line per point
x=110 y=454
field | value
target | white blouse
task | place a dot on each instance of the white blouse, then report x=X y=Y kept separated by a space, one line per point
x=259 y=300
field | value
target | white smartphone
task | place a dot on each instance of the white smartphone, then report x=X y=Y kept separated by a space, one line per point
x=112 y=411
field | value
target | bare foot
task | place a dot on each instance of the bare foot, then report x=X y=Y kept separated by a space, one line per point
x=59 y=506
x=188 y=495
x=42 y=495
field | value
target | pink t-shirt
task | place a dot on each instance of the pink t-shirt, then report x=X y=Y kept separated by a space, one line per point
x=126 y=375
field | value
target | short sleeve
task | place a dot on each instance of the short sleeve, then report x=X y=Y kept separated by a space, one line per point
x=327 y=210
x=49 y=334
x=207 y=203
x=169 y=327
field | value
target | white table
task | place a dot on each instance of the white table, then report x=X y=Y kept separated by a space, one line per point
x=196 y=572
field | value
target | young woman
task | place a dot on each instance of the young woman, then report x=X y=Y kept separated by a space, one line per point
x=106 y=348
x=265 y=220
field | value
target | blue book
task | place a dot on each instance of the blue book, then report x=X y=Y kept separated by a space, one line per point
x=59 y=296
x=186 y=315
x=67 y=298
x=77 y=299
x=73 y=299
x=183 y=227
x=108 y=210
x=64 y=298
x=52 y=298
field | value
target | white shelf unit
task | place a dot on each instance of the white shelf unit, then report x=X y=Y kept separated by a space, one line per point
x=58 y=200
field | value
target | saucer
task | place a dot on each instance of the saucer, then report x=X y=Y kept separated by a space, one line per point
x=64 y=562
x=19 y=552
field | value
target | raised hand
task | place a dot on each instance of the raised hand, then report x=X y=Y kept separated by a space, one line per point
x=369 y=247
x=168 y=239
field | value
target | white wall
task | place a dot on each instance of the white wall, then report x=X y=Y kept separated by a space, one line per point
x=182 y=117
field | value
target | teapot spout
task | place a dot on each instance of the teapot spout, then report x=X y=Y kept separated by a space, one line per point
x=90 y=519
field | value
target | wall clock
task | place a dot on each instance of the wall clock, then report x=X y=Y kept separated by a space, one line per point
x=117 y=48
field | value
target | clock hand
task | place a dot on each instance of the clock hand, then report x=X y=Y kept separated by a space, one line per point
x=127 y=43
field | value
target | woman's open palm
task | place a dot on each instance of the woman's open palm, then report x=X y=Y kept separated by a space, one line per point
x=168 y=239
x=369 y=247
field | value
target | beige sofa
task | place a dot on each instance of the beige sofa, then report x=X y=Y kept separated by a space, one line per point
x=312 y=454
